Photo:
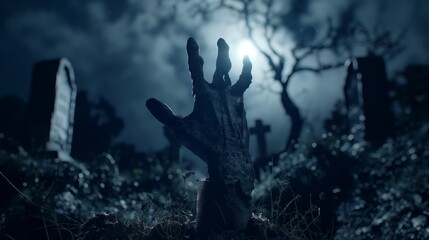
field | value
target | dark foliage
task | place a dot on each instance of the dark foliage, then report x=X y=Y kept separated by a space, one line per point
x=80 y=190
x=390 y=197
x=13 y=115
x=96 y=124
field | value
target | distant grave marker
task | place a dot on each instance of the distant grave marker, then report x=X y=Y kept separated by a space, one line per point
x=367 y=100
x=52 y=106
x=260 y=130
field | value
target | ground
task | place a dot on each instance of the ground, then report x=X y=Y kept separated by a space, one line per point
x=338 y=188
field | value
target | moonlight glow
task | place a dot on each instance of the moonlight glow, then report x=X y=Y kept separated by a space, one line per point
x=246 y=48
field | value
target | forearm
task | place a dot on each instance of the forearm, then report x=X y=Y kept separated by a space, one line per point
x=232 y=168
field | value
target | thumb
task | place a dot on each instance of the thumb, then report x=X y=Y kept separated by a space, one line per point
x=162 y=112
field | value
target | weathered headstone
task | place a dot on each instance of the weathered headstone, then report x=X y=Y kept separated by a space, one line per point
x=367 y=100
x=259 y=130
x=51 y=106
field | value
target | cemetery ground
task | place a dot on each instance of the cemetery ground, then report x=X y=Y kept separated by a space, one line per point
x=336 y=188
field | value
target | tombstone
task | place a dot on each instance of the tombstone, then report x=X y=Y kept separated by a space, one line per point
x=259 y=130
x=51 y=107
x=367 y=100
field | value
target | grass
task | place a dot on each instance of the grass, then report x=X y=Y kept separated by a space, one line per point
x=282 y=207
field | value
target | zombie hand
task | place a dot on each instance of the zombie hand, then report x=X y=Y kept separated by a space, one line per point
x=216 y=130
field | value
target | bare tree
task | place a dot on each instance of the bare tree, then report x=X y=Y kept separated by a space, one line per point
x=266 y=24
x=264 y=21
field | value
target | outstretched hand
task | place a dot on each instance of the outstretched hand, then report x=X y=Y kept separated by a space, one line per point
x=217 y=124
x=217 y=132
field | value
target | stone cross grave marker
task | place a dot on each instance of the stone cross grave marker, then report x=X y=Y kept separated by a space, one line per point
x=51 y=106
x=259 y=130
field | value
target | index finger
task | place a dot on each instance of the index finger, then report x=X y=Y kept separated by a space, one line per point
x=195 y=62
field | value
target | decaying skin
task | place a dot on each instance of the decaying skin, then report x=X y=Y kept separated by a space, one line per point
x=216 y=130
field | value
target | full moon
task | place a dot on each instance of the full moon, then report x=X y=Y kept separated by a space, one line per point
x=246 y=48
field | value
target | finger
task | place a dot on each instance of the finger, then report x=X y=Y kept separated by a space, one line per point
x=162 y=113
x=245 y=77
x=223 y=65
x=195 y=62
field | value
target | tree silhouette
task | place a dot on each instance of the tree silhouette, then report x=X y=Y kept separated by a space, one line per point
x=314 y=51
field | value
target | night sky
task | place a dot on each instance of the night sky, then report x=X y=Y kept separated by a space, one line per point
x=129 y=51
